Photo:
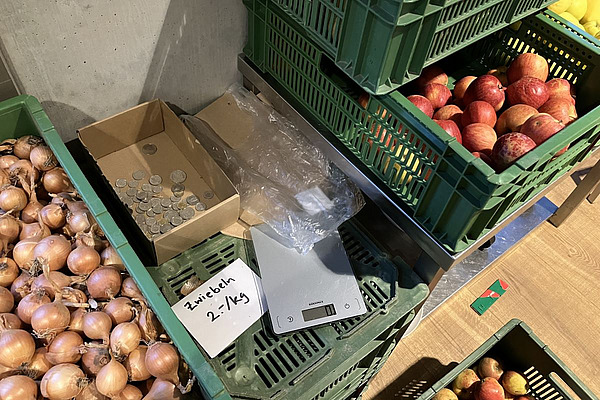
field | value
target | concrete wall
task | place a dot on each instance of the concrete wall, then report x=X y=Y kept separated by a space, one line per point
x=88 y=59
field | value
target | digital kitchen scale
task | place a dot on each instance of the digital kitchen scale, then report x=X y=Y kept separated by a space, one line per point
x=306 y=290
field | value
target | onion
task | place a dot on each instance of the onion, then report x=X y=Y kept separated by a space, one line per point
x=16 y=347
x=9 y=271
x=89 y=239
x=104 y=283
x=96 y=325
x=4 y=178
x=23 y=252
x=119 y=310
x=64 y=348
x=111 y=258
x=7 y=301
x=63 y=198
x=111 y=379
x=149 y=325
x=58 y=280
x=130 y=393
x=162 y=361
x=95 y=357
x=50 y=319
x=18 y=387
x=5 y=371
x=80 y=221
x=31 y=211
x=34 y=230
x=8 y=160
x=10 y=321
x=77 y=206
x=43 y=158
x=130 y=289
x=83 y=260
x=146 y=385
x=21 y=286
x=63 y=382
x=90 y=392
x=24 y=169
x=73 y=298
x=53 y=251
x=30 y=303
x=76 y=323
x=124 y=338
x=163 y=390
x=38 y=365
x=56 y=181
x=53 y=215
x=9 y=230
x=24 y=144
x=135 y=364
x=13 y=198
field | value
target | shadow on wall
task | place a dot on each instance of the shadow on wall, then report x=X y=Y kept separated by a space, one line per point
x=65 y=117
x=195 y=59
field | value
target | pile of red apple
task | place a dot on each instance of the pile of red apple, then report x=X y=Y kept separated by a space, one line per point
x=486 y=381
x=502 y=115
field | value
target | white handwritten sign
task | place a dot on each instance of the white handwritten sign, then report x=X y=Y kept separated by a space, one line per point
x=222 y=308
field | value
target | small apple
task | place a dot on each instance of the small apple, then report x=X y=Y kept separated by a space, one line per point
x=422 y=104
x=431 y=74
x=479 y=137
x=363 y=99
x=528 y=64
x=450 y=127
x=462 y=385
x=437 y=94
x=513 y=117
x=527 y=90
x=488 y=389
x=561 y=109
x=515 y=383
x=490 y=367
x=483 y=156
x=479 y=111
x=461 y=86
x=486 y=88
x=540 y=127
x=508 y=148
x=451 y=112
x=445 y=394
x=500 y=73
x=558 y=87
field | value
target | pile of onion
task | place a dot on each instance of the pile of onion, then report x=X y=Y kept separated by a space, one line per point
x=73 y=323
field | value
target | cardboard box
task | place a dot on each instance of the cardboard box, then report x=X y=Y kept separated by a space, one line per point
x=116 y=145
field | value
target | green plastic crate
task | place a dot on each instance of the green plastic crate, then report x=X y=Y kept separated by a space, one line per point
x=384 y=44
x=519 y=349
x=456 y=197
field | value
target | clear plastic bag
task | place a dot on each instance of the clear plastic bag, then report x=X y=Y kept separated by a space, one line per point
x=282 y=178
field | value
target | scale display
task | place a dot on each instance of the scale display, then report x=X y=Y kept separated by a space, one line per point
x=318 y=312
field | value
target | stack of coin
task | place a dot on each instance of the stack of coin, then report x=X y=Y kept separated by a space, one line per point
x=153 y=210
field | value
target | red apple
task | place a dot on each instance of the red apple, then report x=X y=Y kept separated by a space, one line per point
x=483 y=156
x=513 y=117
x=450 y=127
x=464 y=383
x=490 y=367
x=363 y=100
x=422 y=104
x=558 y=87
x=437 y=94
x=479 y=137
x=488 y=389
x=461 y=86
x=528 y=64
x=431 y=74
x=485 y=88
x=561 y=109
x=540 y=127
x=527 y=90
x=509 y=148
x=500 y=73
x=451 y=112
x=479 y=111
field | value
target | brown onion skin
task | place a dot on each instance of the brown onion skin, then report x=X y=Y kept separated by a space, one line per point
x=53 y=250
x=163 y=390
x=119 y=309
x=39 y=365
x=43 y=158
x=64 y=348
x=31 y=211
x=11 y=321
x=50 y=319
x=56 y=181
x=7 y=301
x=24 y=144
x=8 y=160
x=76 y=322
x=34 y=230
x=9 y=271
x=16 y=347
x=83 y=260
x=29 y=304
x=135 y=363
x=22 y=283
x=63 y=382
x=104 y=283
x=18 y=387
x=13 y=198
x=53 y=215
x=94 y=358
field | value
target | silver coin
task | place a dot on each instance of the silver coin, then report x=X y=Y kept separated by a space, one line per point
x=157 y=208
x=182 y=205
x=121 y=183
x=131 y=192
x=176 y=220
x=146 y=187
x=136 y=200
x=138 y=210
x=139 y=175
x=140 y=195
x=150 y=213
x=178 y=176
x=132 y=184
x=208 y=194
x=155 y=180
x=175 y=207
x=187 y=213
x=165 y=202
x=170 y=214
x=144 y=206
x=164 y=228
x=118 y=190
x=149 y=149
x=177 y=188
x=155 y=228
x=157 y=189
x=128 y=202
x=174 y=199
x=200 y=206
x=150 y=221
x=154 y=201
x=192 y=200
x=140 y=219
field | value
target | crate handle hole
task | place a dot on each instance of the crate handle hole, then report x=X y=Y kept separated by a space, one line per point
x=563 y=386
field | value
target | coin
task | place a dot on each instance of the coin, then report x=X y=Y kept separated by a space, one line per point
x=150 y=213
x=157 y=209
x=170 y=214
x=164 y=228
x=157 y=189
x=150 y=221
x=140 y=219
x=121 y=183
x=139 y=175
x=192 y=200
x=128 y=202
x=144 y=206
x=174 y=199
x=154 y=201
x=132 y=184
x=149 y=149
x=165 y=202
x=131 y=192
x=177 y=188
x=140 y=195
x=155 y=228
x=176 y=220
x=208 y=194
x=178 y=176
x=155 y=180
x=146 y=187
x=187 y=213
x=200 y=206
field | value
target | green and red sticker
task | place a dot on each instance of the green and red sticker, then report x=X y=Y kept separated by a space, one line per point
x=489 y=297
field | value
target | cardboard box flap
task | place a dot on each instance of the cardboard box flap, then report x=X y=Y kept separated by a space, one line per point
x=224 y=116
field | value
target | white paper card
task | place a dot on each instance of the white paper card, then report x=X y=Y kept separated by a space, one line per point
x=222 y=308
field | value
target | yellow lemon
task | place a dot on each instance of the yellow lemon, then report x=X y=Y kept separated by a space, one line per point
x=569 y=17
x=578 y=9
x=592 y=27
x=560 y=6
x=593 y=11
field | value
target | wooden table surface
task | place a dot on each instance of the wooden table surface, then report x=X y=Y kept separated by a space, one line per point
x=554 y=286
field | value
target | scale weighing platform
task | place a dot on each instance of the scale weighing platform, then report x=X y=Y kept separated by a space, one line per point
x=306 y=290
